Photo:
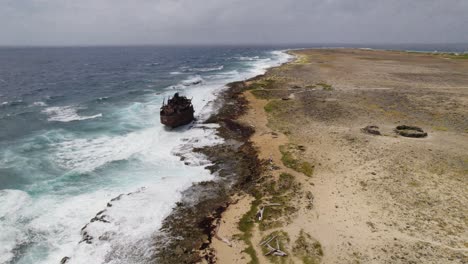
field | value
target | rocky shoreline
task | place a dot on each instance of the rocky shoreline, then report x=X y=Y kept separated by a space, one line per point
x=187 y=233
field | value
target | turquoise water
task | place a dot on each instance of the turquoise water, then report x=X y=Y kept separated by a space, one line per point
x=80 y=126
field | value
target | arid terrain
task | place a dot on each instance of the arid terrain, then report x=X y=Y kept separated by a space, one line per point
x=332 y=192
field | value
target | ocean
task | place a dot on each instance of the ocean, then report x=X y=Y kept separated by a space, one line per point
x=80 y=126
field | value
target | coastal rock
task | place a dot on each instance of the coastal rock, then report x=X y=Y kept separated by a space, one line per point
x=373 y=130
x=410 y=131
x=64 y=260
x=101 y=217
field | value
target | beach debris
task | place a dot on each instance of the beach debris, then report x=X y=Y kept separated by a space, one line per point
x=177 y=112
x=267 y=241
x=410 y=131
x=275 y=251
x=260 y=211
x=373 y=130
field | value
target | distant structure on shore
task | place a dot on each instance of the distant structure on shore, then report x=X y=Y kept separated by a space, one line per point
x=177 y=112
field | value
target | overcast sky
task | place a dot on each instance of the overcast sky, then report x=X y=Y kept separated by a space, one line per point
x=120 y=22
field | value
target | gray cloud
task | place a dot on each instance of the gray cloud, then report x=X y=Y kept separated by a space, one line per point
x=89 y=22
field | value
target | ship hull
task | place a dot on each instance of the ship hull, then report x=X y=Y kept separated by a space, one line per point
x=178 y=119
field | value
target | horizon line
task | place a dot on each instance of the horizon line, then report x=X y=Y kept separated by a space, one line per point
x=334 y=44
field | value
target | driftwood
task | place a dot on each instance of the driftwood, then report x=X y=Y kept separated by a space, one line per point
x=260 y=211
x=267 y=241
x=275 y=251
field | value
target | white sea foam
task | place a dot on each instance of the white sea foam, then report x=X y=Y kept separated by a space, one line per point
x=262 y=65
x=243 y=58
x=193 y=80
x=66 y=114
x=12 y=202
x=207 y=69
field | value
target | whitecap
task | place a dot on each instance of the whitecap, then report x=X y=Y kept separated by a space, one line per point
x=193 y=80
x=40 y=103
x=66 y=114
x=176 y=73
x=244 y=58
x=102 y=99
x=207 y=69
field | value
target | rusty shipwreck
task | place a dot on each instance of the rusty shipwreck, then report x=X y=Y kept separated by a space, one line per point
x=177 y=111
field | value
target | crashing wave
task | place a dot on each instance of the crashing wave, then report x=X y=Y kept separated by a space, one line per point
x=194 y=80
x=12 y=202
x=191 y=81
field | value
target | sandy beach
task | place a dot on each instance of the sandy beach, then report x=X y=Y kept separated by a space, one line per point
x=334 y=192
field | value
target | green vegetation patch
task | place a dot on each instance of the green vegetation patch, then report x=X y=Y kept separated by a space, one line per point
x=448 y=55
x=289 y=158
x=276 y=106
x=308 y=249
x=262 y=94
x=457 y=56
x=262 y=83
x=279 y=197
x=246 y=225
x=302 y=59
x=440 y=128
x=325 y=86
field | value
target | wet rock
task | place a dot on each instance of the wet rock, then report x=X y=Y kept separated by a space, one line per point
x=373 y=130
x=117 y=198
x=64 y=260
x=410 y=131
x=86 y=238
